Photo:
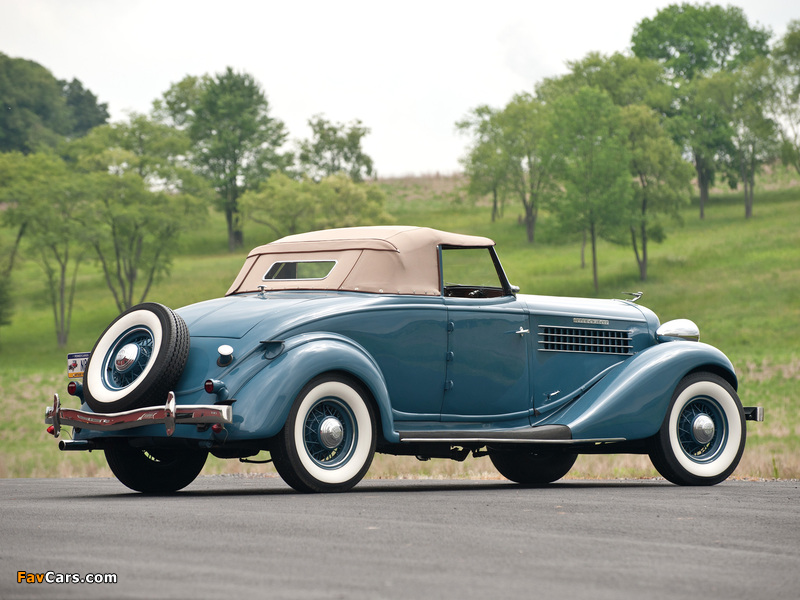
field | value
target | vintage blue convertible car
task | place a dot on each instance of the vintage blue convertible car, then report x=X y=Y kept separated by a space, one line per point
x=333 y=345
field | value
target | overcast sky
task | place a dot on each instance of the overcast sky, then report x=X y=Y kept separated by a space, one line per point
x=409 y=70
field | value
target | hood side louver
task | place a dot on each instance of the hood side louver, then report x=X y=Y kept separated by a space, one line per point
x=594 y=341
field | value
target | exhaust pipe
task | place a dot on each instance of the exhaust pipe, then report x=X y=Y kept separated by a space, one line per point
x=76 y=445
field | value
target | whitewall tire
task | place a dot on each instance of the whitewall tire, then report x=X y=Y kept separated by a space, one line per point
x=137 y=360
x=702 y=438
x=328 y=441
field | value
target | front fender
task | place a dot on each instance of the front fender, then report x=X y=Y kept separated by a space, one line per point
x=631 y=401
x=263 y=403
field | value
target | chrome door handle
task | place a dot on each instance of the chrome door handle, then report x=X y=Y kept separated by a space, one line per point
x=522 y=331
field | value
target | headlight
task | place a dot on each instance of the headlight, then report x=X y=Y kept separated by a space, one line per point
x=679 y=329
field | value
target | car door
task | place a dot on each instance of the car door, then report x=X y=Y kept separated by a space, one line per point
x=487 y=373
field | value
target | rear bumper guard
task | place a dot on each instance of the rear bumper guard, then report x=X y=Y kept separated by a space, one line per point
x=169 y=415
x=754 y=413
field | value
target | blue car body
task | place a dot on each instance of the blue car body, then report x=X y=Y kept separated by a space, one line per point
x=448 y=370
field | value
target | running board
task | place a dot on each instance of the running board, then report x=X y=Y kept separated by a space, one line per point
x=543 y=434
x=548 y=434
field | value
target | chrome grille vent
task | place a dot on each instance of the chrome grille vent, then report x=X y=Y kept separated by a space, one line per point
x=594 y=341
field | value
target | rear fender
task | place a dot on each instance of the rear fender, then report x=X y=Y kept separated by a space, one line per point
x=263 y=403
x=631 y=401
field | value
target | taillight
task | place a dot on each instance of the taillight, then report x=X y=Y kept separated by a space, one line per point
x=215 y=386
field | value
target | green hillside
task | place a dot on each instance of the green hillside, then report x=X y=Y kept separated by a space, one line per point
x=738 y=279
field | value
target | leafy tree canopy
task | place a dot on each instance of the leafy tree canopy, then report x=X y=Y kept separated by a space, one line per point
x=593 y=165
x=692 y=42
x=742 y=96
x=691 y=39
x=288 y=206
x=661 y=180
x=485 y=165
x=785 y=104
x=525 y=131
x=235 y=140
x=335 y=148
x=47 y=200
x=38 y=110
x=142 y=197
x=626 y=79
x=86 y=111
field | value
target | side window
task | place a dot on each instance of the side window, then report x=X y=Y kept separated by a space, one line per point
x=290 y=270
x=470 y=273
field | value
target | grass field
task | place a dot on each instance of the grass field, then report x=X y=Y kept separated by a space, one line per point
x=739 y=280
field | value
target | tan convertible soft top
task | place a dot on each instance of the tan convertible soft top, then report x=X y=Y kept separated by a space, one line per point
x=391 y=260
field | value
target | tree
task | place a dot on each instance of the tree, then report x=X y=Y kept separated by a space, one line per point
x=134 y=233
x=84 y=108
x=660 y=176
x=288 y=206
x=510 y=154
x=334 y=148
x=6 y=302
x=38 y=111
x=743 y=95
x=12 y=191
x=17 y=191
x=156 y=152
x=785 y=103
x=236 y=142
x=283 y=204
x=593 y=165
x=485 y=165
x=693 y=42
x=704 y=130
x=626 y=79
x=661 y=179
x=524 y=129
x=34 y=114
x=48 y=209
x=143 y=198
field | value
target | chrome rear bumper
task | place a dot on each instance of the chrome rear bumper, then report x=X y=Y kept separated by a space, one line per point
x=169 y=415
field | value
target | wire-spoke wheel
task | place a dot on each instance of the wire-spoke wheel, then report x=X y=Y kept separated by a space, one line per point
x=328 y=441
x=703 y=434
x=137 y=360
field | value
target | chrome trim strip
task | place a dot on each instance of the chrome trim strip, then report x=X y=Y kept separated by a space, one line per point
x=488 y=440
x=586 y=352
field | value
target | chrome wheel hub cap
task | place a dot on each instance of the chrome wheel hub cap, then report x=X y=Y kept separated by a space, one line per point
x=331 y=432
x=126 y=357
x=703 y=429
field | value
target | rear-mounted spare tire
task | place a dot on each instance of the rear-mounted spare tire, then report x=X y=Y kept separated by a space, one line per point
x=137 y=360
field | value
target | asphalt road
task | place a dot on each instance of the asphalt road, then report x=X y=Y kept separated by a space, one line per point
x=252 y=537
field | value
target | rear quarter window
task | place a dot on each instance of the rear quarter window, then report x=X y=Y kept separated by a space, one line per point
x=294 y=270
